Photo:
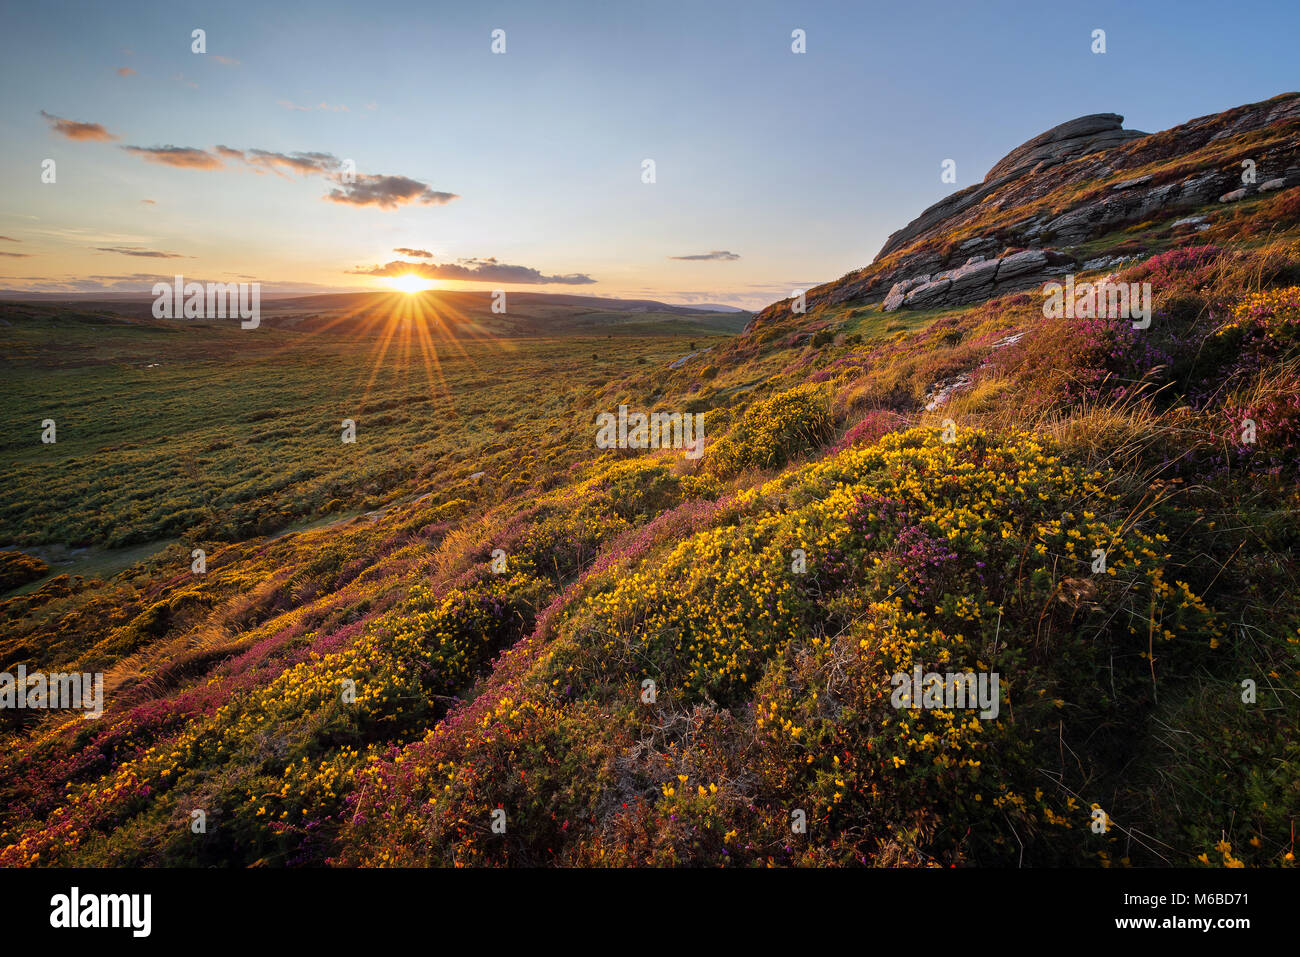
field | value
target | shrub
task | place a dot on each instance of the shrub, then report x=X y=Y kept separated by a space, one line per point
x=1188 y=268
x=869 y=429
x=775 y=430
x=17 y=568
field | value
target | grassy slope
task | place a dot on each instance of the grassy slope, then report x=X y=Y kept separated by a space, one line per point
x=523 y=691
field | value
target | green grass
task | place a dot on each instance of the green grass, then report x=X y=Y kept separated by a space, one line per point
x=213 y=432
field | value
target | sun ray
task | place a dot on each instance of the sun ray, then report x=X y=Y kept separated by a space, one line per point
x=411 y=283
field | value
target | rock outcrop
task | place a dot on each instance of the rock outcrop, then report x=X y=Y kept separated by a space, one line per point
x=1087 y=134
x=1040 y=208
x=978 y=279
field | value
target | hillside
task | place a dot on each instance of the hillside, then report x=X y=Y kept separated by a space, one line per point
x=474 y=637
x=455 y=314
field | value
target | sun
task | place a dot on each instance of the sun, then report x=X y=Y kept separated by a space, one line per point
x=410 y=283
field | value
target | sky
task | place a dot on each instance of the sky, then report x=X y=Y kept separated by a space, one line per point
x=525 y=170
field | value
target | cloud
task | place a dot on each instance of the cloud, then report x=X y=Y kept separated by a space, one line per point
x=180 y=78
x=10 y=239
x=84 y=236
x=751 y=297
x=17 y=255
x=720 y=255
x=474 y=270
x=185 y=157
x=130 y=276
x=149 y=202
x=290 y=105
x=74 y=130
x=226 y=60
x=387 y=192
x=404 y=250
x=304 y=163
x=146 y=253
x=125 y=71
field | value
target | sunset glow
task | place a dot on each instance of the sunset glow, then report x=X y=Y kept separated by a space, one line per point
x=411 y=283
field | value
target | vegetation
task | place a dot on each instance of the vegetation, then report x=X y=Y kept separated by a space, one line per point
x=639 y=658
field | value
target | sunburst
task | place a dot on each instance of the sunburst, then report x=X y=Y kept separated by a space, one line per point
x=410 y=283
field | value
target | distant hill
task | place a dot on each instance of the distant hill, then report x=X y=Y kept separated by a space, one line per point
x=527 y=313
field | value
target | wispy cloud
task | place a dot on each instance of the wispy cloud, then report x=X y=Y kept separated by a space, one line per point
x=145 y=253
x=404 y=250
x=16 y=255
x=225 y=60
x=125 y=71
x=186 y=157
x=387 y=192
x=84 y=236
x=488 y=269
x=302 y=163
x=10 y=239
x=718 y=255
x=75 y=130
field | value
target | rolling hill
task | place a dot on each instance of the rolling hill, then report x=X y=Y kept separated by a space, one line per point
x=464 y=313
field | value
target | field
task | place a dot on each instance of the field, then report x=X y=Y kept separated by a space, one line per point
x=225 y=433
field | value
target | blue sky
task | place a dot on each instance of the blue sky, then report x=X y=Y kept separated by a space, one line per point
x=798 y=165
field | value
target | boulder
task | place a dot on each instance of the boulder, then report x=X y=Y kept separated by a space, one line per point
x=928 y=293
x=1030 y=260
x=973 y=275
x=1130 y=183
x=1071 y=139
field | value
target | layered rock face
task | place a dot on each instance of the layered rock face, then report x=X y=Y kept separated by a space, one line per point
x=1087 y=134
x=978 y=279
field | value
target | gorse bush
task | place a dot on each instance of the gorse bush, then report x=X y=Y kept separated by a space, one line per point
x=775 y=430
x=1274 y=315
x=18 y=568
x=973 y=555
